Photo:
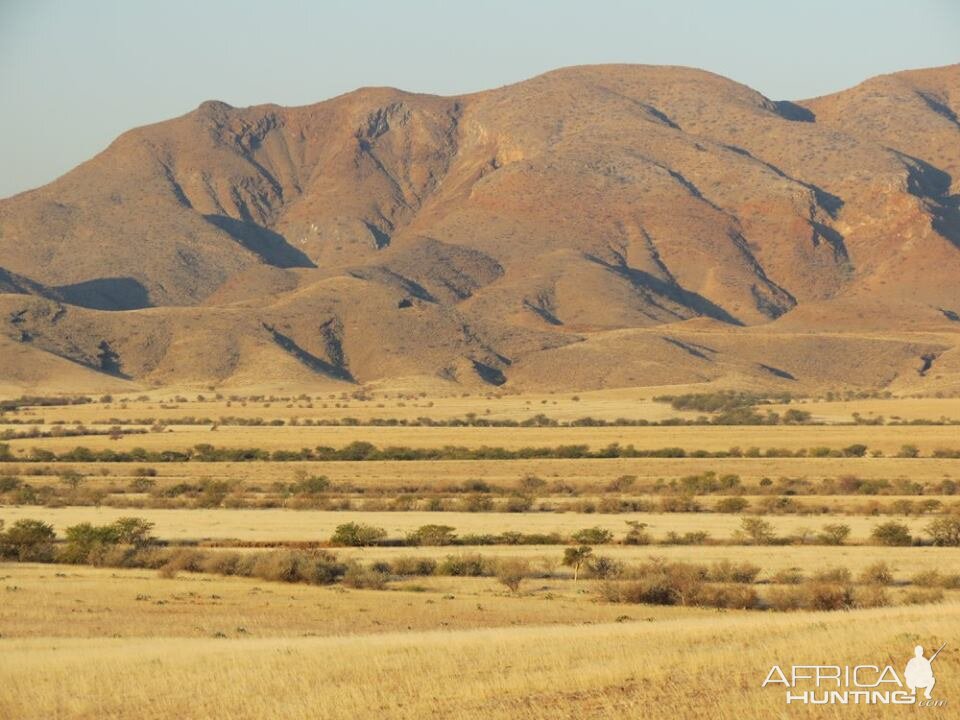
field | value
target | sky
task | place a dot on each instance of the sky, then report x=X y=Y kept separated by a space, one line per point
x=74 y=74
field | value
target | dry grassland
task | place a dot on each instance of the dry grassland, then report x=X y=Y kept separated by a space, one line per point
x=84 y=643
x=680 y=666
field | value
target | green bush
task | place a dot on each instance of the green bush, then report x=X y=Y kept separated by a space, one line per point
x=357 y=535
x=432 y=535
x=592 y=536
x=892 y=533
x=28 y=541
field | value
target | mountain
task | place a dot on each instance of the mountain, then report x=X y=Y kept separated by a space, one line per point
x=593 y=226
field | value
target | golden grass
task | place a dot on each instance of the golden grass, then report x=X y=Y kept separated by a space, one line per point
x=80 y=601
x=686 y=667
x=77 y=643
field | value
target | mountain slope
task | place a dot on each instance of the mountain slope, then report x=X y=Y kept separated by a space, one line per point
x=539 y=234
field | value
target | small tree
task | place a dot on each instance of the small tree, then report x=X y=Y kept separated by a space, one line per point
x=834 y=534
x=892 y=533
x=759 y=531
x=357 y=535
x=945 y=531
x=575 y=557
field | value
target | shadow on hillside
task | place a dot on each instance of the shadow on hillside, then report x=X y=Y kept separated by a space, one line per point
x=271 y=247
x=118 y=293
x=678 y=294
x=793 y=112
x=317 y=365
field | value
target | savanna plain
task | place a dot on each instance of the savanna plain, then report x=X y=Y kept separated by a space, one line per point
x=408 y=554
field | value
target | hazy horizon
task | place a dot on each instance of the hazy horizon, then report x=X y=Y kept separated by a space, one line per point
x=79 y=75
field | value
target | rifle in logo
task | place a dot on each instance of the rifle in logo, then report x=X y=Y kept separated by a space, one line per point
x=919 y=671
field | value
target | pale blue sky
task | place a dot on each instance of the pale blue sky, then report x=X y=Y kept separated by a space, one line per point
x=76 y=73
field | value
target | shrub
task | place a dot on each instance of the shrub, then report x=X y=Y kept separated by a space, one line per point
x=142 y=484
x=637 y=534
x=432 y=535
x=413 y=566
x=463 y=566
x=877 y=574
x=592 y=536
x=892 y=533
x=357 y=535
x=370 y=578
x=791 y=576
x=926 y=578
x=834 y=534
x=856 y=450
x=605 y=568
x=518 y=503
x=310 y=484
x=696 y=537
x=945 y=531
x=28 y=541
x=785 y=599
x=759 y=532
x=621 y=484
x=512 y=572
x=225 y=563
x=729 y=572
x=871 y=596
x=739 y=597
x=828 y=596
x=663 y=583
x=923 y=597
x=680 y=504
x=320 y=567
x=72 y=479
x=732 y=505
x=185 y=560
x=832 y=575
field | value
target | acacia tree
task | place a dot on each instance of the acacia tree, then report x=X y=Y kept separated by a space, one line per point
x=575 y=557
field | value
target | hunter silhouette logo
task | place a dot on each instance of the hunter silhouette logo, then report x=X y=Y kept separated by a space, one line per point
x=865 y=684
x=919 y=672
